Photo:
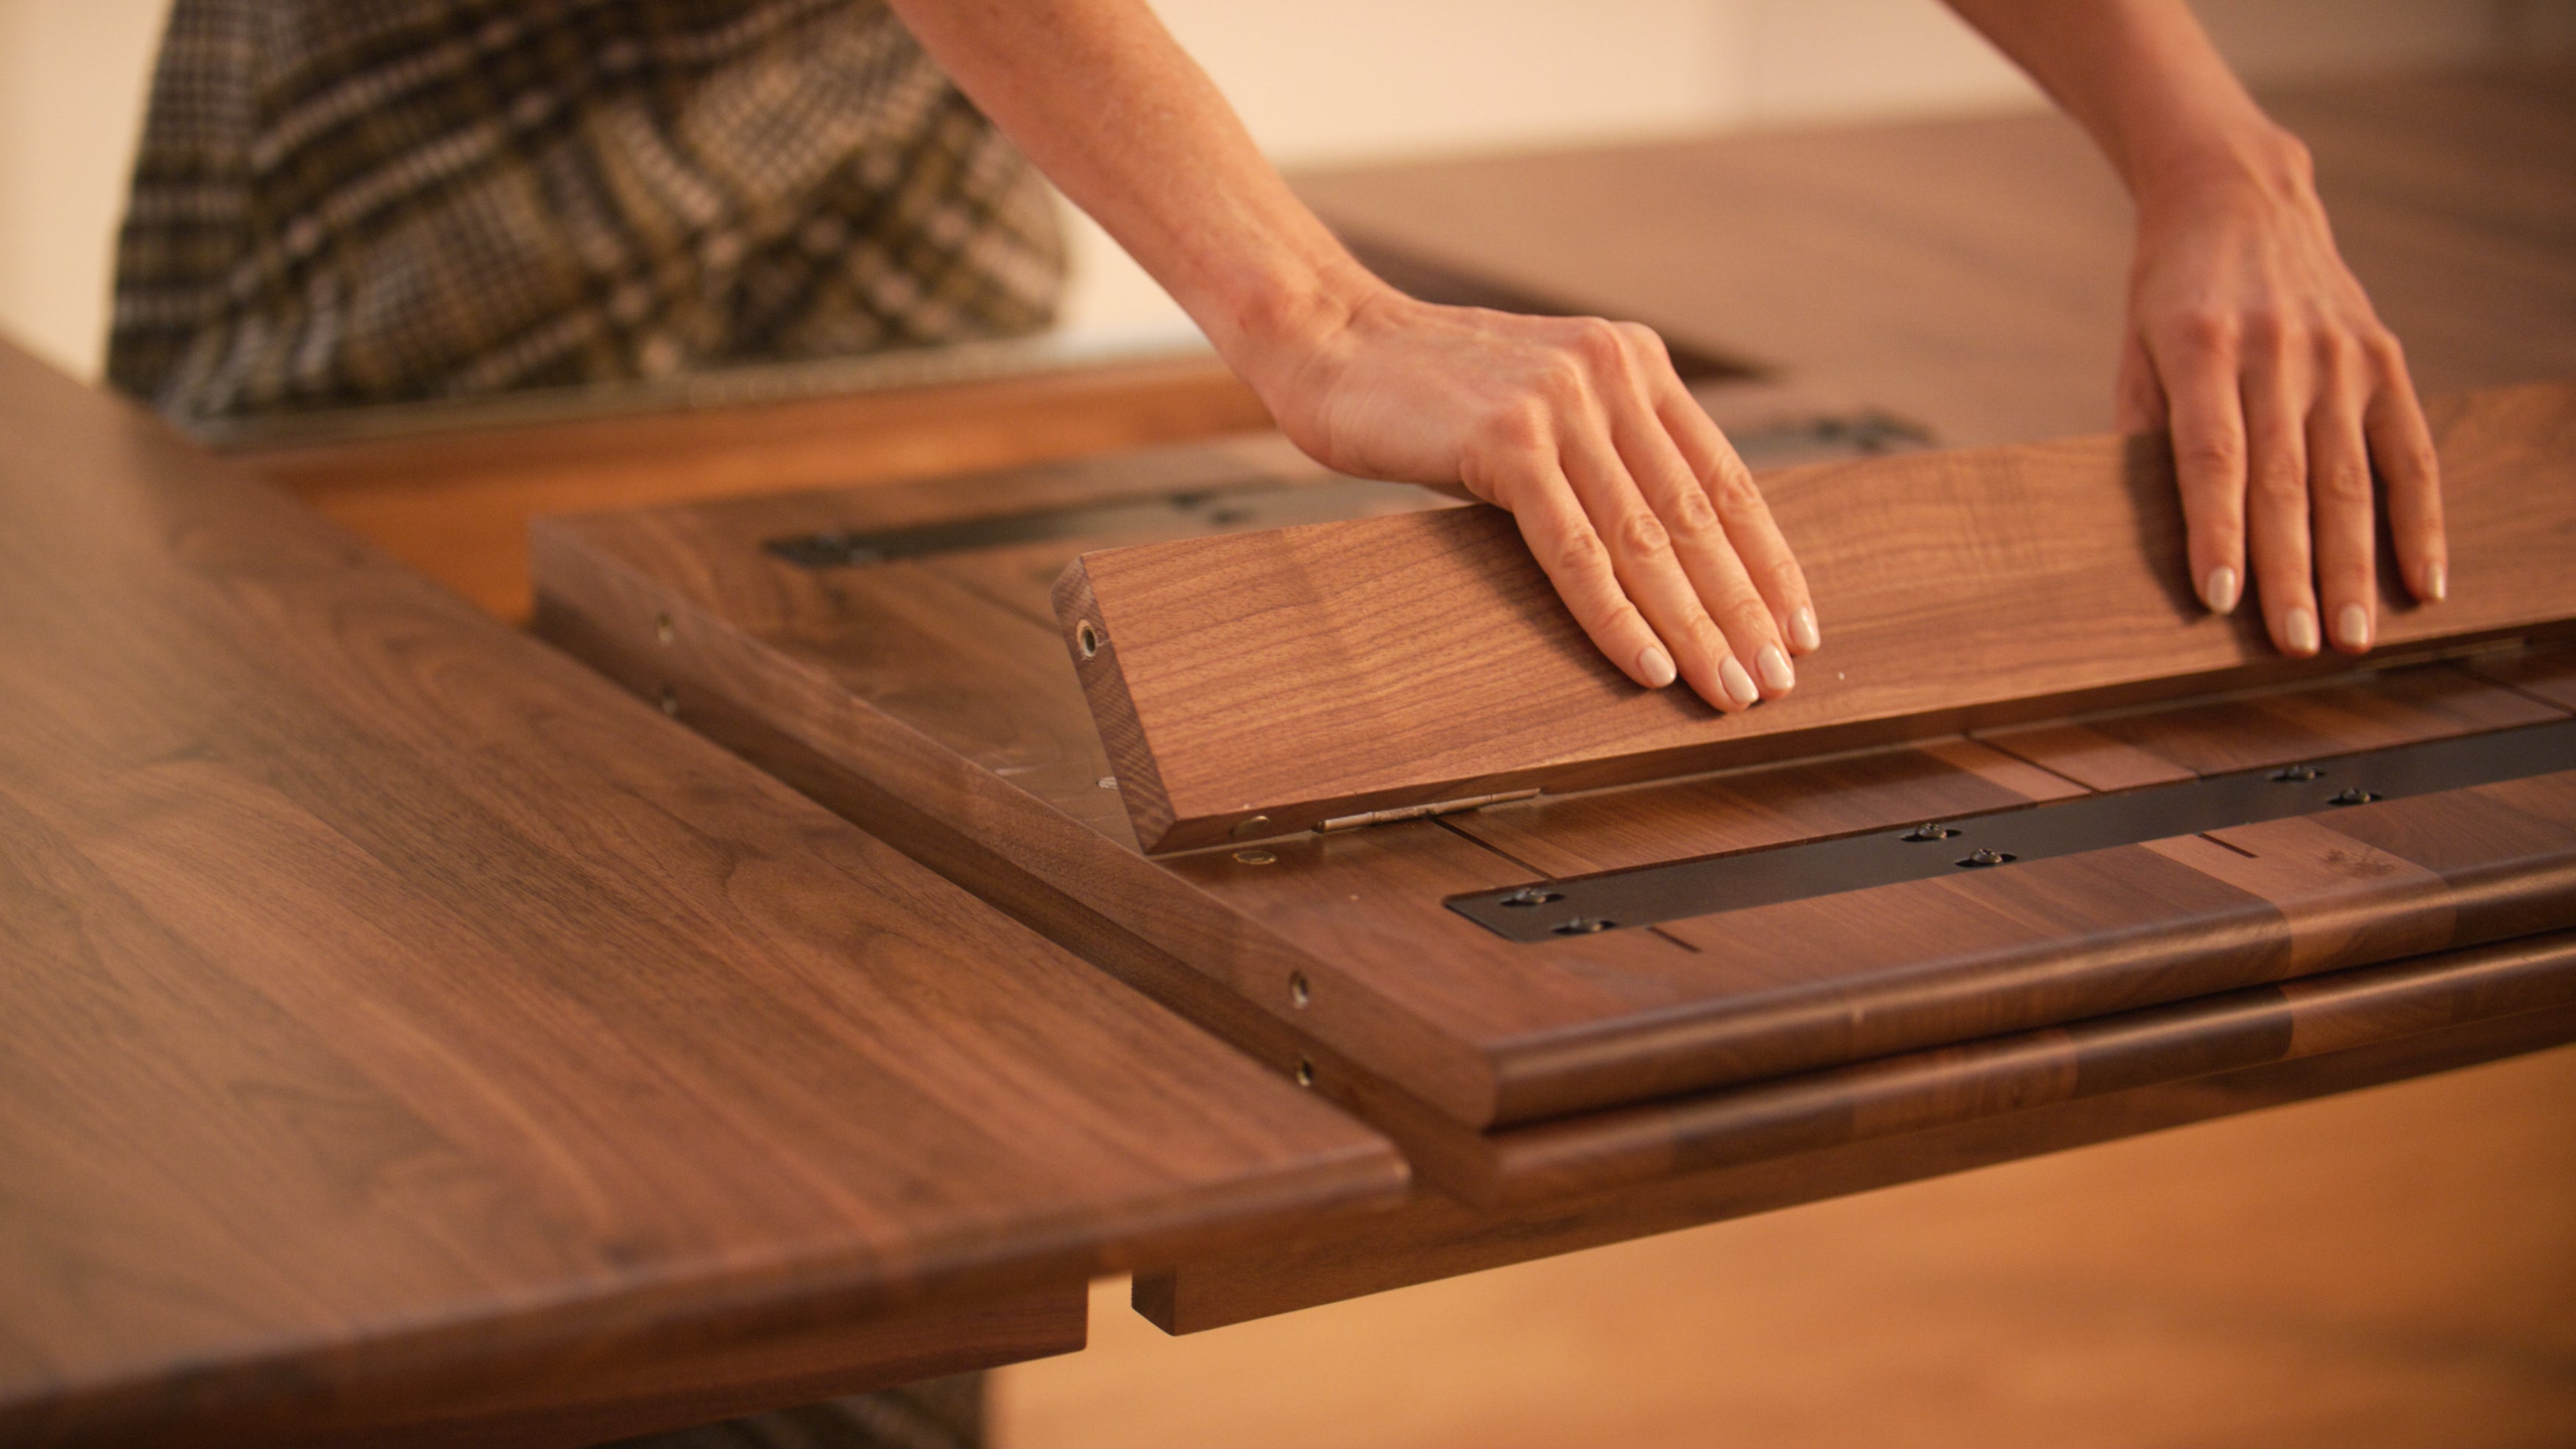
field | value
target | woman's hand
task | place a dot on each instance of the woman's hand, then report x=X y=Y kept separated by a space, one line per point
x=1628 y=495
x=2253 y=345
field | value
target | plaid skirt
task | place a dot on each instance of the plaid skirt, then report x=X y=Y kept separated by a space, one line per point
x=344 y=202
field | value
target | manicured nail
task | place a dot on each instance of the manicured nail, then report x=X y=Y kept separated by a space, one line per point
x=2352 y=627
x=2437 y=582
x=1776 y=673
x=2300 y=627
x=1802 y=625
x=1656 y=665
x=2219 y=593
x=1738 y=684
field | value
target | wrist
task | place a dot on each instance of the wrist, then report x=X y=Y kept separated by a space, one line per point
x=2247 y=159
x=1274 y=325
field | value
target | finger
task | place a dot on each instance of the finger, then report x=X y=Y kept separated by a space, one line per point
x=2138 y=398
x=2341 y=518
x=1642 y=553
x=1560 y=536
x=2196 y=376
x=2276 y=498
x=1701 y=544
x=2411 y=471
x=1751 y=532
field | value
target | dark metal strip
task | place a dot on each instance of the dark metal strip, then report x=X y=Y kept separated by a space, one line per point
x=1676 y=890
x=1244 y=504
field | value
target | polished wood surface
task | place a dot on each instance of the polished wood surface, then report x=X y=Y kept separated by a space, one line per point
x=1968 y=274
x=2382 y=1269
x=406 y=1034
x=454 y=502
x=923 y=698
x=1249 y=685
x=1437 y=1236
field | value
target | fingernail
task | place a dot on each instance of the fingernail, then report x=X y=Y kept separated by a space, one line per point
x=1738 y=684
x=1776 y=673
x=2352 y=627
x=1656 y=665
x=1802 y=626
x=2300 y=627
x=2437 y=582
x=2219 y=593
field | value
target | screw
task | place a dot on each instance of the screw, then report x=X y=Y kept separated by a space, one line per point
x=1928 y=832
x=2298 y=774
x=1109 y=782
x=1531 y=896
x=2354 y=796
x=1249 y=825
x=1585 y=926
x=1988 y=857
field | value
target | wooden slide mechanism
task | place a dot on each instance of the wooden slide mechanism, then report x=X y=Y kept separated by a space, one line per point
x=1252 y=685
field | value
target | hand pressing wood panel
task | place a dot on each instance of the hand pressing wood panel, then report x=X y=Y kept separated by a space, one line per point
x=404 y=1034
x=1256 y=684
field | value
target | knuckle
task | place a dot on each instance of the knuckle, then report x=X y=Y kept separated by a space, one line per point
x=1642 y=534
x=1733 y=489
x=2205 y=454
x=1694 y=518
x=2343 y=486
x=1599 y=344
x=1581 y=560
x=1644 y=341
x=2280 y=486
x=2206 y=331
x=1517 y=426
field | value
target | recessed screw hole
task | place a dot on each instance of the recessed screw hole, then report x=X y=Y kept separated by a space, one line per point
x=1305 y=1072
x=670 y=702
x=1086 y=638
x=662 y=629
x=1299 y=993
x=1256 y=857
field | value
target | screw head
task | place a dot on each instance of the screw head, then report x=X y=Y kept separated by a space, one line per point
x=2354 y=796
x=1249 y=825
x=1981 y=858
x=1928 y=831
x=1584 y=926
x=2298 y=774
x=1528 y=896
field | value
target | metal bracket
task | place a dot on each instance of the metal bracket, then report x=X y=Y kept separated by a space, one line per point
x=1997 y=840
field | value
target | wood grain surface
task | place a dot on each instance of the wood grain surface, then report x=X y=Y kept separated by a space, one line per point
x=1437 y=1236
x=923 y=699
x=404 y=1029
x=1253 y=684
x=1968 y=274
x=454 y=501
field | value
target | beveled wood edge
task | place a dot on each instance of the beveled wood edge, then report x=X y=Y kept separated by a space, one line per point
x=1094 y=657
x=1201 y=819
x=1065 y=880
x=440 y=1387
x=1434 y=1236
x=2195 y=1037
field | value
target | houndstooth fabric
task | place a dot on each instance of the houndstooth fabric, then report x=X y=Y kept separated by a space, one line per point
x=340 y=202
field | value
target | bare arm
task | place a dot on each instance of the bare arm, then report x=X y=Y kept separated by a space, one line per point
x=1629 y=496
x=2247 y=336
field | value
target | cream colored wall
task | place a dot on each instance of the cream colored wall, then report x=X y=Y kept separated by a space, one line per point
x=1319 y=81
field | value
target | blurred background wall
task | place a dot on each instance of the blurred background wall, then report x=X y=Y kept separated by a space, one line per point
x=1321 y=81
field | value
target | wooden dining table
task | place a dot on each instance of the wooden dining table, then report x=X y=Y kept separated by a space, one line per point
x=416 y=1031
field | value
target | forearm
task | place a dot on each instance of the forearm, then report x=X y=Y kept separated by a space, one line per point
x=2142 y=77
x=1109 y=106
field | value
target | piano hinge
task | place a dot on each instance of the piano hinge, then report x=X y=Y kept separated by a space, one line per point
x=1420 y=812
